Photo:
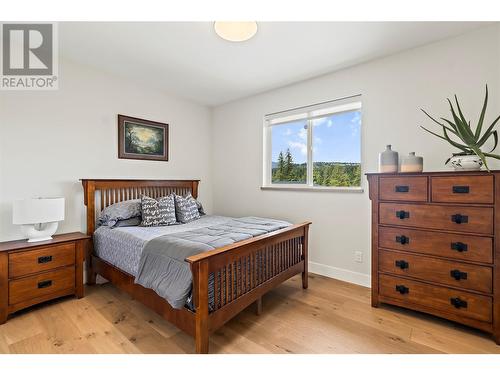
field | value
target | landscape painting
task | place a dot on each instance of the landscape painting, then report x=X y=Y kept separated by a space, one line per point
x=142 y=139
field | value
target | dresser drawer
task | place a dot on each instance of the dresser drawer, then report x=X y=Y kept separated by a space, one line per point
x=439 y=298
x=464 y=189
x=450 y=245
x=467 y=276
x=33 y=261
x=42 y=284
x=455 y=218
x=403 y=189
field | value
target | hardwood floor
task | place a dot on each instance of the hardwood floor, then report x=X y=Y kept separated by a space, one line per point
x=330 y=317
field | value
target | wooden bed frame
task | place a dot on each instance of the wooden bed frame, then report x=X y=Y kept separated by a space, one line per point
x=284 y=251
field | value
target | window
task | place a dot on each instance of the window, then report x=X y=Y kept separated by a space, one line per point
x=317 y=146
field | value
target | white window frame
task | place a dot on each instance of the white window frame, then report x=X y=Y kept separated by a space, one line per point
x=308 y=113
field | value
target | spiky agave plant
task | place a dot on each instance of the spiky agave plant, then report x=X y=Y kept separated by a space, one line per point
x=471 y=140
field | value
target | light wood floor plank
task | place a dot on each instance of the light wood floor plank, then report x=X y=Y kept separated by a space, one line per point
x=330 y=317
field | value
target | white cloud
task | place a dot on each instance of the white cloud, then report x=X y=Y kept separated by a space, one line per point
x=329 y=123
x=303 y=134
x=356 y=119
x=355 y=124
x=300 y=146
x=318 y=140
x=288 y=131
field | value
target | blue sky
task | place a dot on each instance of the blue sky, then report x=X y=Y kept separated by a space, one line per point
x=336 y=138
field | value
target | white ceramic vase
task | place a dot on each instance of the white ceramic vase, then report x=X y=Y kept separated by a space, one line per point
x=388 y=160
x=466 y=162
x=412 y=163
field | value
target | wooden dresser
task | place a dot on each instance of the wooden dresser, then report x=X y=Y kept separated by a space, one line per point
x=34 y=272
x=435 y=247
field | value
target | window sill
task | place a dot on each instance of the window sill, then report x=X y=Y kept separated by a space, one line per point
x=314 y=188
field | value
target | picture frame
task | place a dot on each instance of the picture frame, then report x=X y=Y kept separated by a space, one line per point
x=142 y=139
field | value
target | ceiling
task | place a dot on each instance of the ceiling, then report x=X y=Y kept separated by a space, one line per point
x=189 y=60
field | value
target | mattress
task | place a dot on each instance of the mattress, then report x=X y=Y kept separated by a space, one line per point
x=122 y=247
x=154 y=256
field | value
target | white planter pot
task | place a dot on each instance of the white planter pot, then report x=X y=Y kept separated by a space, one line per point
x=466 y=162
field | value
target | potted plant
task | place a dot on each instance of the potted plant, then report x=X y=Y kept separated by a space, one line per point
x=469 y=141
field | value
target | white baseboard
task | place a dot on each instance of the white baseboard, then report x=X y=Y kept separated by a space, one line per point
x=340 y=274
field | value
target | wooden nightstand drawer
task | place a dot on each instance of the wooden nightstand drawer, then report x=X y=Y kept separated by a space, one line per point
x=43 y=259
x=403 y=189
x=32 y=287
x=415 y=293
x=457 y=274
x=463 y=189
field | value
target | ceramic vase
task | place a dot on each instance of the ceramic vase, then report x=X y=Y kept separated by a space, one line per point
x=388 y=161
x=412 y=163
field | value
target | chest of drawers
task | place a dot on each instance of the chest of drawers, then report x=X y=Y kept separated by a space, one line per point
x=435 y=247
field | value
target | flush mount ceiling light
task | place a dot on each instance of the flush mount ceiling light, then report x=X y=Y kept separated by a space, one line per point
x=235 y=31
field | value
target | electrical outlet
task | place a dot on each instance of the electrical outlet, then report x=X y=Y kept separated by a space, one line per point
x=358 y=256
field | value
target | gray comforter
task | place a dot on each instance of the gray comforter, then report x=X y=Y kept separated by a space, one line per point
x=162 y=265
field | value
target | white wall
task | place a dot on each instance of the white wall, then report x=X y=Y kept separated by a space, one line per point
x=393 y=89
x=49 y=140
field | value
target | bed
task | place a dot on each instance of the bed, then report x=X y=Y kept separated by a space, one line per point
x=225 y=280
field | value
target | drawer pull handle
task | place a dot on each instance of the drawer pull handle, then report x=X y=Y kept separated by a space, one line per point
x=458 y=275
x=403 y=214
x=403 y=240
x=458 y=303
x=460 y=219
x=459 y=246
x=44 y=284
x=45 y=259
x=402 y=189
x=460 y=189
x=402 y=264
x=402 y=289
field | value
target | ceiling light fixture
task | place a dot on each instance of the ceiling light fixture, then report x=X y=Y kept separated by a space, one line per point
x=235 y=31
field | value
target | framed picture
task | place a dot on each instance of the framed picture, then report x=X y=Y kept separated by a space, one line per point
x=142 y=139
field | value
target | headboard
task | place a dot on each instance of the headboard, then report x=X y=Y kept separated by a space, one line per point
x=101 y=193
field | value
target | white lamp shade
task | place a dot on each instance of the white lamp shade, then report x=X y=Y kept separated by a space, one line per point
x=42 y=210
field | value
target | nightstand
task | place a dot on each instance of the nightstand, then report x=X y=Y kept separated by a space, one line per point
x=34 y=272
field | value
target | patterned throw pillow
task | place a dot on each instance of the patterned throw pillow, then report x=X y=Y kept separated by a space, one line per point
x=157 y=212
x=186 y=209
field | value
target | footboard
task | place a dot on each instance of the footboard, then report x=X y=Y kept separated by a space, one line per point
x=228 y=279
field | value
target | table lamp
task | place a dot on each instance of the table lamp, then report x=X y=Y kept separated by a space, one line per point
x=38 y=217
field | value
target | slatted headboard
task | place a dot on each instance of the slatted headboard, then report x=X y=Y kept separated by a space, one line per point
x=100 y=193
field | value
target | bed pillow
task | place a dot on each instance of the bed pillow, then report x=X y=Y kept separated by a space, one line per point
x=158 y=212
x=199 y=206
x=186 y=209
x=132 y=222
x=120 y=211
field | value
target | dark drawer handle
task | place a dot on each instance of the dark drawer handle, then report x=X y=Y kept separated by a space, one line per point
x=460 y=189
x=402 y=189
x=45 y=259
x=458 y=275
x=44 y=284
x=403 y=214
x=459 y=246
x=403 y=240
x=402 y=289
x=459 y=219
x=458 y=303
x=402 y=264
